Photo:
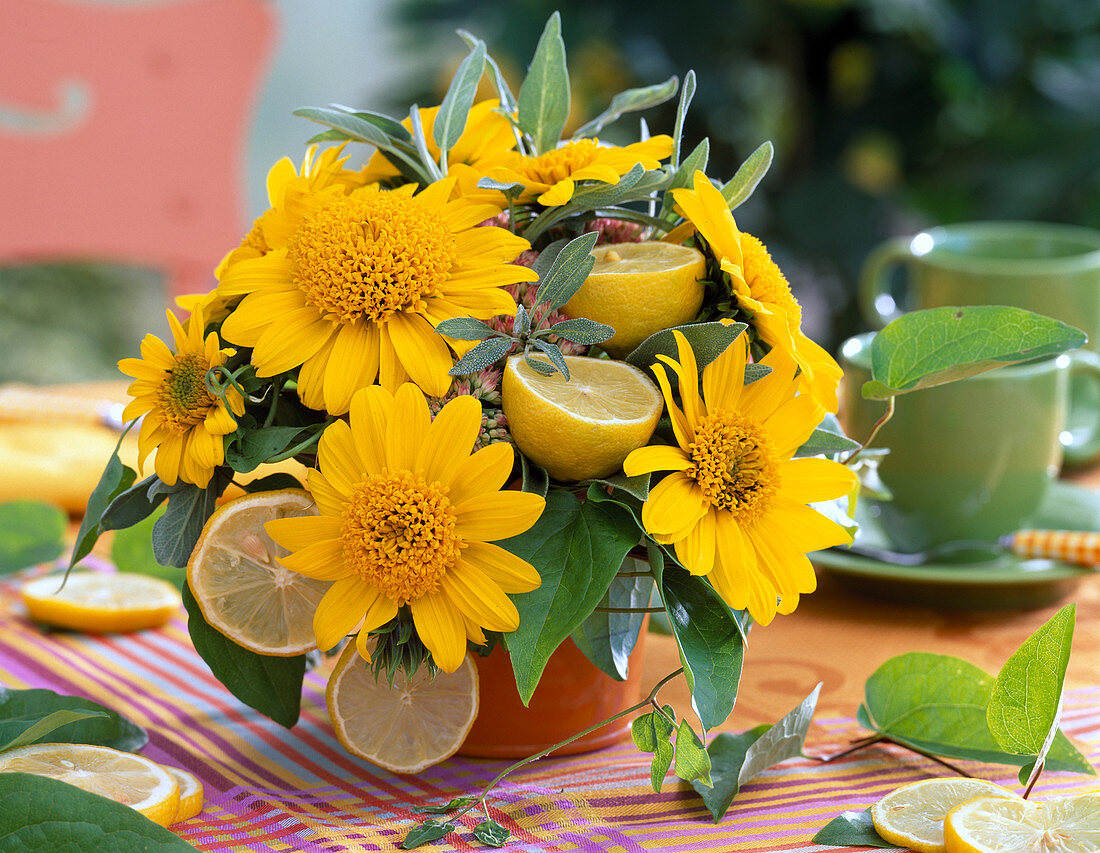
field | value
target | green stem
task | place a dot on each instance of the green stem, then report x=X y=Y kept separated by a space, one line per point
x=879 y=424
x=649 y=700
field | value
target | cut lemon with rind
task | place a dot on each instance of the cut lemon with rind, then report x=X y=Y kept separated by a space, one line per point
x=418 y=722
x=997 y=825
x=639 y=289
x=583 y=427
x=101 y=603
x=913 y=815
x=241 y=587
x=191 y=793
x=132 y=780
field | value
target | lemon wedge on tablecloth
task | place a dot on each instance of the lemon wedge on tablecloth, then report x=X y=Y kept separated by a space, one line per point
x=240 y=585
x=997 y=825
x=639 y=289
x=191 y=793
x=913 y=815
x=101 y=603
x=126 y=778
x=585 y=426
x=406 y=728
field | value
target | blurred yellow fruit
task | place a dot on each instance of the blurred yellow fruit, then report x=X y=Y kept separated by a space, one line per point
x=639 y=289
x=584 y=427
x=101 y=603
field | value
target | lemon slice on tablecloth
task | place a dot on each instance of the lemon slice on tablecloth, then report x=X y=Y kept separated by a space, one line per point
x=126 y=778
x=639 y=289
x=997 y=825
x=191 y=794
x=913 y=815
x=584 y=427
x=101 y=603
x=240 y=585
x=406 y=728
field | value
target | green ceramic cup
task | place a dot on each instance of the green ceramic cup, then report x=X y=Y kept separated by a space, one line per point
x=971 y=460
x=1044 y=267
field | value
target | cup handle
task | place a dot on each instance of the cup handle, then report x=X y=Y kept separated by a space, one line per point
x=874 y=281
x=1085 y=366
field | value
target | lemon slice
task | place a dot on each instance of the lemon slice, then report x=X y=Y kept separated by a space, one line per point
x=584 y=427
x=406 y=728
x=101 y=603
x=130 y=779
x=639 y=289
x=913 y=815
x=997 y=825
x=191 y=797
x=240 y=585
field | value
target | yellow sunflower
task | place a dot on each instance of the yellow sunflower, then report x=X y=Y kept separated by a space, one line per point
x=760 y=288
x=407 y=517
x=354 y=285
x=551 y=177
x=183 y=420
x=735 y=507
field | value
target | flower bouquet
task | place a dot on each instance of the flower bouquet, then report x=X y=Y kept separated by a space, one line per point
x=540 y=386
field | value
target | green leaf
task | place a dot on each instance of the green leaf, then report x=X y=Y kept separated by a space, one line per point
x=389 y=126
x=686 y=94
x=429 y=830
x=133 y=504
x=751 y=173
x=176 y=532
x=607 y=639
x=354 y=126
x=581 y=330
x=30 y=533
x=466 y=329
x=737 y=759
x=629 y=101
x=1027 y=695
x=709 y=639
x=552 y=353
x=823 y=441
x=684 y=175
x=708 y=341
x=21 y=709
x=600 y=194
x=271 y=685
x=922 y=349
x=636 y=486
x=492 y=833
x=510 y=190
x=132 y=551
x=115 y=479
x=692 y=760
x=937 y=703
x=43 y=815
x=577 y=549
x=450 y=121
x=567 y=273
x=454 y=805
x=482 y=356
x=544 y=95
x=504 y=92
x=252 y=449
x=273 y=483
x=652 y=733
x=754 y=372
x=535 y=479
x=44 y=726
x=852 y=829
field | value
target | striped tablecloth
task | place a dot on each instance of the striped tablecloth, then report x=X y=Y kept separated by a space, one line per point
x=270 y=789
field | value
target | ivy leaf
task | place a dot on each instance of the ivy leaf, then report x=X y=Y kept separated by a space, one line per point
x=176 y=532
x=926 y=348
x=751 y=173
x=692 y=759
x=577 y=548
x=568 y=271
x=652 y=733
x=46 y=725
x=708 y=637
x=1027 y=695
x=708 y=341
x=628 y=101
x=31 y=532
x=453 y=805
x=492 y=833
x=737 y=759
x=544 y=95
x=115 y=479
x=482 y=356
x=454 y=111
x=852 y=829
x=43 y=815
x=22 y=709
x=607 y=639
x=429 y=830
x=271 y=685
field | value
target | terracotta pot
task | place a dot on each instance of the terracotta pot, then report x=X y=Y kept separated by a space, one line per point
x=571 y=696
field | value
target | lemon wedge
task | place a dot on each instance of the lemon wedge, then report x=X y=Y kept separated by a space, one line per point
x=997 y=825
x=191 y=793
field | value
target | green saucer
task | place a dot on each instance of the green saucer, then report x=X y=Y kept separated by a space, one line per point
x=1000 y=583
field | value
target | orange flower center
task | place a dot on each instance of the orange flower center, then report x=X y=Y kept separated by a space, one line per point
x=399 y=534
x=766 y=281
x=184 y=399
x=559 y=164
x=734 y=464
x=370 y=255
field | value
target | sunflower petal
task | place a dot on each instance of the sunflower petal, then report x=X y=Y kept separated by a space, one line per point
x=809 y=480
x=482 y=472
x=407 y=428
x=655 y=457
x=338 y=458
x=497 y=515
x=477 y=597
x=340 y=610
x=511 y=573
x=441 y=628
x=450 y=438
x=673 y=504
x=299 y=532
x=422 y=352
